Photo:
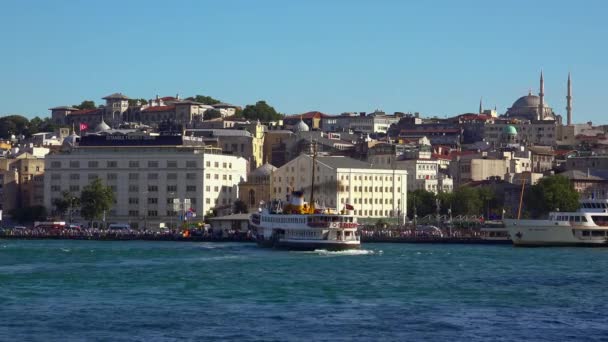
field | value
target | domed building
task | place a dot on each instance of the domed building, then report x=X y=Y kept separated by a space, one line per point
x=257 y=187
x=301 y=126
x=509 y=135
x=532 y=107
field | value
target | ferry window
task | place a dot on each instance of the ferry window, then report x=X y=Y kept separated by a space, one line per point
x=585 y=233
x=572 y=218
x=584 y=219
x=577 y=218
x=598 y=233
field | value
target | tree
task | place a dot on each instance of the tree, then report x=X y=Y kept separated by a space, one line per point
x=29 y=214
x=95 y=200
x=212 y=114
x=261 y=111
x=240 y=207
x=423 y=200
x=208 y=100
x=466 y=201
x=551 y=193
x=66 y=204
x=86 y=104
x=133 y=102
x=14 y=124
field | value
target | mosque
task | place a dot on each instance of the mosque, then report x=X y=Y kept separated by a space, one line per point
x=535 y=108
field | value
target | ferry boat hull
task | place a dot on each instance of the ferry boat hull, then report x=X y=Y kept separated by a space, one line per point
x=539 y=233
x=309 y=245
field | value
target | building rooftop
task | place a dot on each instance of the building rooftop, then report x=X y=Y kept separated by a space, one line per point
x=154 y=109
x=116 y=96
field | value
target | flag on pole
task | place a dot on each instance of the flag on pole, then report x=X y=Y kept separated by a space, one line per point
x=83 y=126
x=349 y=207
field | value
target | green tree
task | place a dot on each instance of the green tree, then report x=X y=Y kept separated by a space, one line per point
x=445 y=201
x=423 y=200
x=86 y=104
x=261 y=111
x=133 y=102
x=95 y=199
x=212 y=114
x=208 y=100
x=66 y=204
x=551 y=193
x=240 y=207
x=466 y=201
x=14 y=124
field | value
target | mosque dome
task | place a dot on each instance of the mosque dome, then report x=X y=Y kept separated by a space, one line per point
x=301 y=126
x=102 y=127
x=264 y=170
x=509 y=130
x=528 y=101
x=70 y=140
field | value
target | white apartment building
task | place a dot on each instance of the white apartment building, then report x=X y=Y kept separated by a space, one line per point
x=373 y=191
x=147 y=174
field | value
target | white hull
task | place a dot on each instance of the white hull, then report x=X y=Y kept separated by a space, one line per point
x=552 y=233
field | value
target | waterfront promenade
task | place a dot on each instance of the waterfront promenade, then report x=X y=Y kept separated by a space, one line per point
x=367 y=235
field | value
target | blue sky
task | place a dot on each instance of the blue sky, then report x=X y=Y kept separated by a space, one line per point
x=434 y=57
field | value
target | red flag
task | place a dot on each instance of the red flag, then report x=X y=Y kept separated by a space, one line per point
x=349 y=207
x=83 y=126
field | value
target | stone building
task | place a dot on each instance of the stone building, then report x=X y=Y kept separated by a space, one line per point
x=256 y=188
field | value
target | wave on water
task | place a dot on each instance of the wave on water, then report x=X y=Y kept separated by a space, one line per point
x=67 y=250
x=346 y=252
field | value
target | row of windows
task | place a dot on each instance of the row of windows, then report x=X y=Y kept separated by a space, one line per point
x=217 y=176
x=368 y=189
x=132 y=164
x=225 y=165
x=571 y=218
x=132 y=176
x=217 y=189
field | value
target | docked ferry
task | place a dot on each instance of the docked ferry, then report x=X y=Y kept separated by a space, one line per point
x=297 y=225
x=588 y=226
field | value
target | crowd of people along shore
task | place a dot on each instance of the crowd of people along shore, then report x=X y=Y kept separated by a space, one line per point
x=368 y=234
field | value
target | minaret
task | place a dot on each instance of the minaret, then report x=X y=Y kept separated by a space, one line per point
x=569 y=101
x=480 y=105
x=541 y=94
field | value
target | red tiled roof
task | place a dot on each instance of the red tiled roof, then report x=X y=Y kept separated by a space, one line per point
x=474 y=117
x=168 y=98
x=441 y=156
x=159 y=109
x=86 y=111
x=308 y=115
x=423 y=131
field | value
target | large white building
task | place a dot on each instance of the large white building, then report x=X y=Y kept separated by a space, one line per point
x=373 y=191
x=147 y=174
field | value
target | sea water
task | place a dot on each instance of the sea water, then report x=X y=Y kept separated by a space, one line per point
x=168 y=291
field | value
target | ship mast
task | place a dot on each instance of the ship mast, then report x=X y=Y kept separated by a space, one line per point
x=314 y=159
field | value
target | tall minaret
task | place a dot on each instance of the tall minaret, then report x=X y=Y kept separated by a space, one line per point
x=541 y=94
x=569 y=101
x=480 y=105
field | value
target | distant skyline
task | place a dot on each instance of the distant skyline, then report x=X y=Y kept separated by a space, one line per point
x=437 y=58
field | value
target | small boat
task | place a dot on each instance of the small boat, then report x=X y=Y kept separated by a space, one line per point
x=494 y=232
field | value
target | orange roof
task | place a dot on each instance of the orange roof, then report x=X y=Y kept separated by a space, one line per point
x=86 y=111
x=159 y=109
x=308 y=115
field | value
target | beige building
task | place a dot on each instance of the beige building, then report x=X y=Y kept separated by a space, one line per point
x=373 y=191
x=21 y=182
x=256 y=188
x=480 y=167
x=147 y=174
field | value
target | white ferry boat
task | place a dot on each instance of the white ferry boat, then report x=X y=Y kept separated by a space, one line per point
x=586 y=227
x=494 y=232
x=299 y=226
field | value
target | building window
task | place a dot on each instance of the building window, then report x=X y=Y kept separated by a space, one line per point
x=56 y=164
x=190 y=163
x=171 y=188
x=152 y=213
x=92 y=176
x=112 y=176
x=74 y=164
x=133 y=176
x=133 y=200
x=216 y=164
x=208 y=176
x=191 y=176
x=133 y=213
x=133 y=188
x=153 y=163
x=216 y=189
x=74 y=188
x=56 y=176
x=153 y=176
x=191 y=188
x=74 y=176
x=133 y=163
x=152 y=200
x=93 y=164
x=153 y=188
x=171 y=176
x=55 y=188
x=208 y=164
x=112 y=164
x=172 y=164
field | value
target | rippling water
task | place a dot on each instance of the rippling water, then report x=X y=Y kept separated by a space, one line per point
x=87 y=290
